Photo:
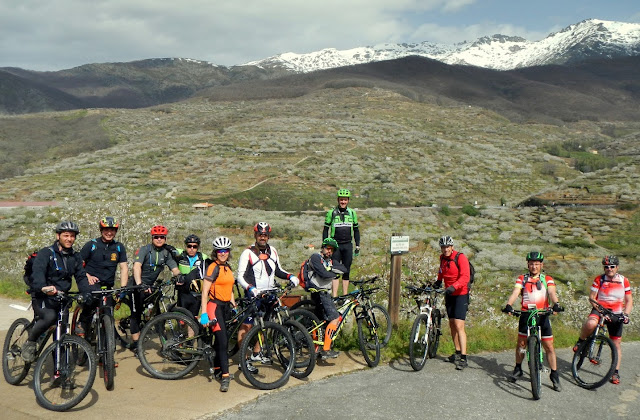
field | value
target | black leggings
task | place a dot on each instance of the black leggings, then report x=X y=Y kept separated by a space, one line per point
x=221 y=341
x=47 y=310
x=189 y=302
x=344 y=255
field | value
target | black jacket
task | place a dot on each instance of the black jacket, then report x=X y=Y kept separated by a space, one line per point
x=53 y=268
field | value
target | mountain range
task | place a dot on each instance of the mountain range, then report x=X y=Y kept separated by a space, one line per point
x=498 y=71
x=589 y=39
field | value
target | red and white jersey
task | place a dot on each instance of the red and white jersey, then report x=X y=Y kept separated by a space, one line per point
x=611 y=291
x=531 y=294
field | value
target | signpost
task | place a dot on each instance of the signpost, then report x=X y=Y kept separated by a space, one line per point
x=398 y=245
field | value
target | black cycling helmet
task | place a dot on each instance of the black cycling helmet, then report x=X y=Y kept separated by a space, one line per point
x=445 y=241
x=535 y=256
x=262 y=227
x=109 y=222
x=192 y=239
x=610 y=260
x=67 y=226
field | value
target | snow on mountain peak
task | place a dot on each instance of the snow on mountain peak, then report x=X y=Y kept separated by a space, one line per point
x=586 y=39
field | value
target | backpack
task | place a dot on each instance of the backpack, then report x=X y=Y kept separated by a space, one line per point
x=472 y=270
x=303 y=275
x=28 y=268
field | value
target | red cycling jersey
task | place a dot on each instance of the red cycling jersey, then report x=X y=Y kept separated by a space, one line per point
x=451 y=276
x=611 y=291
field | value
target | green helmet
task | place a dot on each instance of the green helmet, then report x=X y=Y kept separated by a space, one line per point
x=535 y=256
x=330 y=242
x=343 y=192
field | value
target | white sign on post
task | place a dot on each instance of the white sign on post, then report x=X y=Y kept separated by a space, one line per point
x=399 y=244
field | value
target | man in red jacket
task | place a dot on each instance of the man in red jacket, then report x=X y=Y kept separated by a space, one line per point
x=454 y=271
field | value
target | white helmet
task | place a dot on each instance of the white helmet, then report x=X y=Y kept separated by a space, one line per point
x=445 y=241
x=221 y=242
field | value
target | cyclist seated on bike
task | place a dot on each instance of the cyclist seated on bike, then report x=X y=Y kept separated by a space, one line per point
x=217 y=301
x=535 y=288
x=53 y=268
x=258 y=266
x=322 y=271
x=149 y=263
x=102 y=257
x=613 y=291
x=191 y=264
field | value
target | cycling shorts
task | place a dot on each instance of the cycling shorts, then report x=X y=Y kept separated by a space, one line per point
x=614 y=327
x=457 y=306
x=545 y=326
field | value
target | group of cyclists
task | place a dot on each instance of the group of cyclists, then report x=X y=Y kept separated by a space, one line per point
x=205 y=284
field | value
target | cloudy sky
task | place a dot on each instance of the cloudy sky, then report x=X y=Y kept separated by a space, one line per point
x=60 y=34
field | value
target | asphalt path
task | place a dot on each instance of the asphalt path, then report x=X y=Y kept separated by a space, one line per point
x=481 y=391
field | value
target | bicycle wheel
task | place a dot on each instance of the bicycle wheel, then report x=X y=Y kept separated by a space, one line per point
x=594 y=362
x=14 y=367
x=382 y=320
x=169 y=347
x=304 y=304
x=305 y=353
x=122 y=317
x=273 y=344
x=434 y=333
x=108 y=342
x=313 y=325
x=535 y=366
x=59 y=382
x=418 y=342
x=368 y=340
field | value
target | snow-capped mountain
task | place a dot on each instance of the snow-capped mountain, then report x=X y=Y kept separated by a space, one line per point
x=590 y=38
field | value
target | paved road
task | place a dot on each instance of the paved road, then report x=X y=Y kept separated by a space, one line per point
x=439 y=391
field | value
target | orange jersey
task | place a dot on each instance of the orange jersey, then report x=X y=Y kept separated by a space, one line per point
x=530 y=292
x=222 y=287
x=611 y=291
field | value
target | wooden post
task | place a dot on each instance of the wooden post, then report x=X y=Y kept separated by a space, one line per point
x=394 y=287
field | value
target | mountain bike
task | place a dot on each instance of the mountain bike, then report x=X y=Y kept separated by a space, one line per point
x=599 y=351
x=101 y=333
x=379 y=314
x=426 y=330
x=161 y=299
x=535 y=355
x=172 y=344
x=59 y=383
x=368 y=340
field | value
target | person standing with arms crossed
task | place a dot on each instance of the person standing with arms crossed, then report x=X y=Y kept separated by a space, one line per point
x=341 y=224
x=456 y=282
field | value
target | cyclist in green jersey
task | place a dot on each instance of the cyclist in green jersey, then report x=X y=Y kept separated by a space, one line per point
x=192 y=264
x=341 y=224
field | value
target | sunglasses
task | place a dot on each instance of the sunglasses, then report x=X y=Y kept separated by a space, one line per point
x=223 y=251
x=159 y=237
x=610 y=267
x=192 y=246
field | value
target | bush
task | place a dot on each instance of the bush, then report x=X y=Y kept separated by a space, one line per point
x=470 y=210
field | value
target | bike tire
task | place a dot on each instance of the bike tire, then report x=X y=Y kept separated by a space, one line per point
x=435 y=333
x=418 y=342
x=594 y=362
x=62 y=390
x=108 y=340
x=303 y=304
x=305 y=354
x=369 y=341
x=535 y=367
x=383 y=322
x=275 y=343
x=169 y=347
x=312 y=323
x=14 y=368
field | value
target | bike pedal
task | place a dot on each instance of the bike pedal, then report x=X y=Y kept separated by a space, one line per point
x=594 y=361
